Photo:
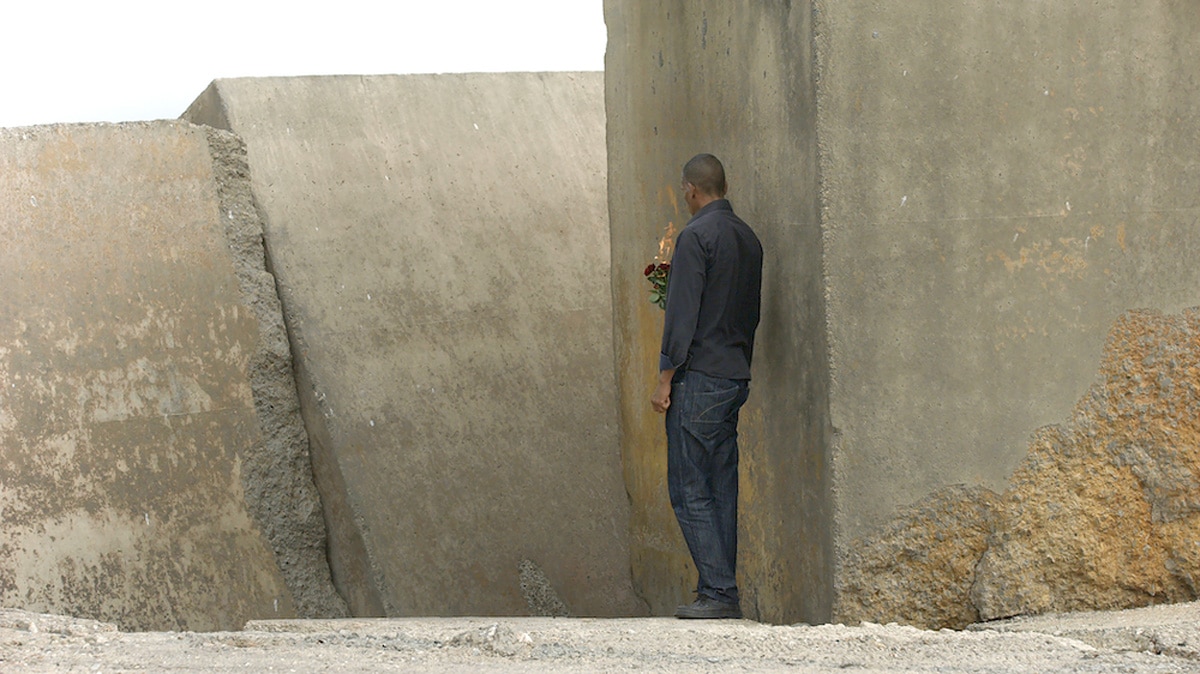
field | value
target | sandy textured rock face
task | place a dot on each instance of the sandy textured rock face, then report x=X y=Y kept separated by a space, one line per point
x=920 y=568
x=1103 y=512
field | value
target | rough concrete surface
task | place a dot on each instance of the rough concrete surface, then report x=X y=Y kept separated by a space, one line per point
x=276 y=473
x=36 y=643
x=999 y=183
x=1105 y=510
x=1103 y=513
x=442 y=259
x=539 y=594
x=126 y=413
x=920 y=568
x=1172 y=629
x=684 y=77
x=956 y=203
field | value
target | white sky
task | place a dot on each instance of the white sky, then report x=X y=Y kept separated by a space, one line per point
x=126 y=60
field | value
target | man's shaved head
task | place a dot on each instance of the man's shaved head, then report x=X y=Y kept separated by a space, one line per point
x=706 y=173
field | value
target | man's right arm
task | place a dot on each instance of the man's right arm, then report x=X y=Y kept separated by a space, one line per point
x=661 y=399
x=684 y=289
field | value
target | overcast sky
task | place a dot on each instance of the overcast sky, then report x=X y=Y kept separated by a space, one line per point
x=125 y=60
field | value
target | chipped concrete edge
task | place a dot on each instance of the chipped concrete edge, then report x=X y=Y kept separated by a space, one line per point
x=277 y=476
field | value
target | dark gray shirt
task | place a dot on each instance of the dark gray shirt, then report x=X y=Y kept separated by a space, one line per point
x=713 y=295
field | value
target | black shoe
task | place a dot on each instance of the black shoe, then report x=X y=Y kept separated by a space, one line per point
x=707 y=609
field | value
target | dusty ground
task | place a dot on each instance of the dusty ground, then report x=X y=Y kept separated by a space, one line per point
x=1165 y=639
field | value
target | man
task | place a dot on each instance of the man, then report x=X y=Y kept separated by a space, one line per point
x=704 y=376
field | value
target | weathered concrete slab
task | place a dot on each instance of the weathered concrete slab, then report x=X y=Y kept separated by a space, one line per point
x=1102 y=513
x=994 y=199
x=125 y=406
x=996 y=186
x=1105 y=510
x=442 y=253
x=687 y=77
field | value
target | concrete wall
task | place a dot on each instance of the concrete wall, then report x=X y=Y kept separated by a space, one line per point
x=126 y=410
x=996 y=185
x=685 y=77
x=441 y=249
x=999 y=184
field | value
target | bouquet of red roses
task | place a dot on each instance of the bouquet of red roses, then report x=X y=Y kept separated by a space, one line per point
x=658 y=272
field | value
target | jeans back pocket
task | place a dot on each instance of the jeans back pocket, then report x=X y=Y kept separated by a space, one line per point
x=712 y=410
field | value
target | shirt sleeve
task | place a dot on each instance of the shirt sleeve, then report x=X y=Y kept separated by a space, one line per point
x=684 y=289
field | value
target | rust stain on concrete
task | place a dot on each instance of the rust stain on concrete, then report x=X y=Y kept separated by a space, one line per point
x=1066 y=258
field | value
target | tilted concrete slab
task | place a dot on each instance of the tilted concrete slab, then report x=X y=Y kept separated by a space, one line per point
x=125 y=406
x=442 y=252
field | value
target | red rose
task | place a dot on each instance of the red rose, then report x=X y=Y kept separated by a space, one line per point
x=664 y=266
x=649 y=270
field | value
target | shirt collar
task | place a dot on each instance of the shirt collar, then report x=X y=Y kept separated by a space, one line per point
x=715 y=205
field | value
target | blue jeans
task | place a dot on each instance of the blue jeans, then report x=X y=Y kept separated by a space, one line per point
x=702 y=475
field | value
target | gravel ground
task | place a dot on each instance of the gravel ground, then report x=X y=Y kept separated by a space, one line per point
x=1171 y=629
x=39 y=643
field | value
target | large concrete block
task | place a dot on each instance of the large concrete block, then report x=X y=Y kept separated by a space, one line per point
x=687 y=77
x=995 y=198
x=996 y=185
x=126 y=412
x=1102 y=512
x=441 y=248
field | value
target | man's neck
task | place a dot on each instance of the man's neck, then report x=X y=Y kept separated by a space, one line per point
x=703 y=200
